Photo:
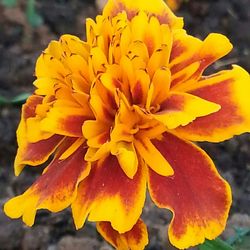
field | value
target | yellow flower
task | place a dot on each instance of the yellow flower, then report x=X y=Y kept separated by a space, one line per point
x=118 y=113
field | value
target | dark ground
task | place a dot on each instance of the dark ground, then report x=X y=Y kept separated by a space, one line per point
x=19 y=47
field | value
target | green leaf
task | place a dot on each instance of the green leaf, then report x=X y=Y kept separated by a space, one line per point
x=19 y=99
x=33 y=17
x=216 y=244
x=9 y=3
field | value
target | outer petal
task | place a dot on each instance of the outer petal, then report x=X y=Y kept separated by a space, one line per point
x=190 y=56
x=107 y=194
x=156 y=8
x=54 y=190
x=135 y=239
x=36 y=153
x=230 y=89
x=196 y=194
x=179 y=109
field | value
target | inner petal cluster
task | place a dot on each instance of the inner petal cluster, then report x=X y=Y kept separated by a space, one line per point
x=130 y=81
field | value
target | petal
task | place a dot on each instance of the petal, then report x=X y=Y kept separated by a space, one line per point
x=49 y=66
x=45 y=86
x=102 y=102
x=230 y=89
x=135 y=239
x=196 y=194
x=107 y=194
x=74 y=45
x=54 y=190
x=65 y=119
x=154 y=8
x=179 y=109
x=127 y=157
x=190 y=56
x=158 y=163
x=28 y=129
x=159 y=87
x=174 y=4
x=34 y=154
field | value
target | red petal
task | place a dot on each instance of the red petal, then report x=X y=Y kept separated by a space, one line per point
x=230 y=89
x=107 y=194
x=196 y=194
x=54 y=190
x=36 y=153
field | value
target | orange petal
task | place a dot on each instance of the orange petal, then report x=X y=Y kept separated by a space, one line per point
x=49 y=66
x=158 y=163
x=174 y=4
x=135 y=239
x=54 y=190
x=196 y=194
x=102 y=102
x=230 y=89
x=179 y=109
x=107 y=194
x=153 y=8
x=126 y=156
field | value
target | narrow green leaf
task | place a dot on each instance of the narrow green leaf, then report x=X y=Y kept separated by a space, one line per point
x=216 y=244
x=19 y=99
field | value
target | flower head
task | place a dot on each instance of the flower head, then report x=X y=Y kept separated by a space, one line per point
x=118 y=112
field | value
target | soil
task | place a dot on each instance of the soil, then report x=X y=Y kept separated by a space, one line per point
x=20 y=44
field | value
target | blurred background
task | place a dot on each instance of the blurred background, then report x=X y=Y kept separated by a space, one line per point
x=26 y=27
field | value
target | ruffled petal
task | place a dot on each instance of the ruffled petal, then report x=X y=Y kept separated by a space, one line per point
x=191 y=56
x=34 y=145
x=230 y=89
x=65 y=118
x=156 y=8
x=34 y=154
x=179 y=109
x=54 y=190
x=196 y=194
x=107 y=194
x=135 y=239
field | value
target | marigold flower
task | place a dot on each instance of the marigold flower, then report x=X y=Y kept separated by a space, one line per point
x=118 y=113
